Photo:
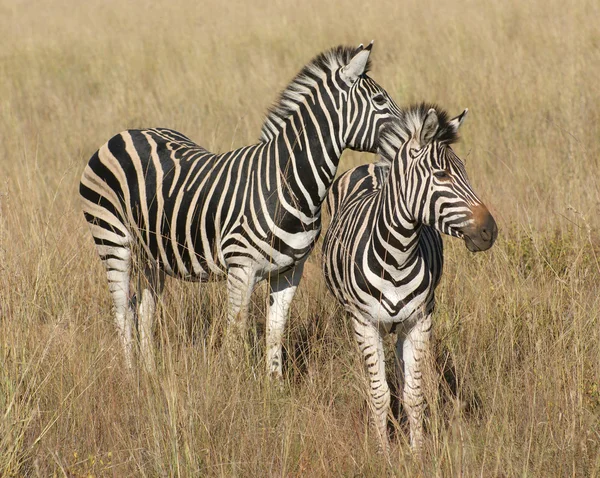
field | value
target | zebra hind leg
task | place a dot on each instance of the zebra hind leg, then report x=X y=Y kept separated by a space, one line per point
x=151 y=286
x=117 y=260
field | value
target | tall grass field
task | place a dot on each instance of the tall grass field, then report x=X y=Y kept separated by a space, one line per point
x=516 y=329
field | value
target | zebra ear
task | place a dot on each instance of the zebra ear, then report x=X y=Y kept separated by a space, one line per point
x=429 y=128
x=455 y=123
x=357 y=64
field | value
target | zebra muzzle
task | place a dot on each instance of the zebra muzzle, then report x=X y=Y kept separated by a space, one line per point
x=482 y=234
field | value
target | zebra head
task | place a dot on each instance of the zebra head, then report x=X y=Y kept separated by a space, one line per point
x=432 y=180
x=334 y=92
x=368 y=107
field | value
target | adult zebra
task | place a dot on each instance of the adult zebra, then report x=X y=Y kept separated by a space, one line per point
x=383 y=252
x=250 y=214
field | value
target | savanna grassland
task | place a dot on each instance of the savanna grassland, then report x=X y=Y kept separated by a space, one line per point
x=517 y=329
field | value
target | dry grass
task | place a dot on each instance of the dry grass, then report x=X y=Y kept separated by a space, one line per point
x=519 y=323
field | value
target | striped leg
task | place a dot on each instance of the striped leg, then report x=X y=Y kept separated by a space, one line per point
x=240 y=285
x=113 y=244
x=150 y=290
x=282 y=290
x=411 y=351
x=370 y=344
x=118 y=266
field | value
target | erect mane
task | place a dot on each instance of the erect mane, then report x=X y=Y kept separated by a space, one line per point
x=409 y=124
x=415 y=115
x=287 y=102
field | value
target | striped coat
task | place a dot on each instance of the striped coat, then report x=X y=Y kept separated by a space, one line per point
x=153 y=197
x=383 y=256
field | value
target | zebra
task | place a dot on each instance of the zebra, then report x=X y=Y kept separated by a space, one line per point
x=382 y=253
x=247 y=215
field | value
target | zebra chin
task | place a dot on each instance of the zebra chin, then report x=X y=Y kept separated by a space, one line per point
x=482 y=233
x=477 y=245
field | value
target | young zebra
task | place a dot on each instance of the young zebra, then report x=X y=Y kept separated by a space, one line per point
x=382 y=254
x=249 y=214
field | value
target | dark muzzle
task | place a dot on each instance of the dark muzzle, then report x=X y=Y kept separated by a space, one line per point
x=482 y=233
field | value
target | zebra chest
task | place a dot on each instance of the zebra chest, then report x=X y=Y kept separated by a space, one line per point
x=393 y=304
x=397 y=296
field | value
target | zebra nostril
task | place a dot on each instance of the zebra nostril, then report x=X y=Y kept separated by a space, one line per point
x=485 y=234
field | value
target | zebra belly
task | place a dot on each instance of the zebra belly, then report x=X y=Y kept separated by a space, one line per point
x=238 y=248
x=270 y=253
x=204 y=252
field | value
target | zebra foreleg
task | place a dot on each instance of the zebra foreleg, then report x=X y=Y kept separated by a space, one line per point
x=370 y=344
x=413 y=350
x=149 y=292
x=282 y=289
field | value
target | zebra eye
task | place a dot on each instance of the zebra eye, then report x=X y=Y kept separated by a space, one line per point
x=442 y=174
x=379 y=99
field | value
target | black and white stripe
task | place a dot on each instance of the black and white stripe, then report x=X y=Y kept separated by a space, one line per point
x=249 y=214
x=382 y=254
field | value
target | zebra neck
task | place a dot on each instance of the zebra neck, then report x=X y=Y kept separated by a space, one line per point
x=395 y=230
x=308 y=153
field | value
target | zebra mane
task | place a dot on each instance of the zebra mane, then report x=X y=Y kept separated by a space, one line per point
x=395 y=133
x=321 y=65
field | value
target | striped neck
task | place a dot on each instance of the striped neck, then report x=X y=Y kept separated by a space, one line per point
x=395 y=230
x=308 y=146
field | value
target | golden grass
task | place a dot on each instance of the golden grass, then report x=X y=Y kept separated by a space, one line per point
x=520 y=323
